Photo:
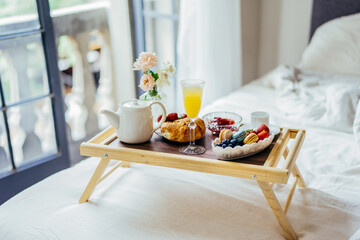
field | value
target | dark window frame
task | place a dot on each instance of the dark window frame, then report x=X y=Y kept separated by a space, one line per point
x=28 y=174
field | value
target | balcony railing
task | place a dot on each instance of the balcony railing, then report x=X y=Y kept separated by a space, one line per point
x=83 y=99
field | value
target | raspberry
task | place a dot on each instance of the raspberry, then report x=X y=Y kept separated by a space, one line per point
x=159 y=118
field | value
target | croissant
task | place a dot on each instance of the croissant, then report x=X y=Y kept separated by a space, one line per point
x=179 y=130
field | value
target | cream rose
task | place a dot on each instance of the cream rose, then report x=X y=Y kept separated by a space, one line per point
x=147 y=82
x=145 y=61
x=168 y=67
x=163 y=78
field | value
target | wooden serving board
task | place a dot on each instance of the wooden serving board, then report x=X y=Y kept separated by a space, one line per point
x=160 y=144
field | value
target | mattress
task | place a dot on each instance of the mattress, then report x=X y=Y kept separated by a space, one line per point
x=149 y=202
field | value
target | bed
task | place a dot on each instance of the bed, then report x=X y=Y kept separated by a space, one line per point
x=148 y=202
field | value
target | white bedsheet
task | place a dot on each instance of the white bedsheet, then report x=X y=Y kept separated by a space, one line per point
x=148 y=202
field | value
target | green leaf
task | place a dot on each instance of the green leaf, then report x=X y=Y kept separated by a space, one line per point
x=155 y=75
x=153 y=92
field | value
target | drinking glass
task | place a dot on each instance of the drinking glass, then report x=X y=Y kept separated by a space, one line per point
x=192 y=92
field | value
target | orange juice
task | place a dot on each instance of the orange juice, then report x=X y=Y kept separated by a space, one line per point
x=192 y=100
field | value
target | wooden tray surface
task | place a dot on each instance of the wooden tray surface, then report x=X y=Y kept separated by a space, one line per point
x=160 y=144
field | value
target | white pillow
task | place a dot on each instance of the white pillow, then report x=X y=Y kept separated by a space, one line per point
x=335 y=47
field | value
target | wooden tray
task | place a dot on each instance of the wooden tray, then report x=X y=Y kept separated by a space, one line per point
x=262 y=167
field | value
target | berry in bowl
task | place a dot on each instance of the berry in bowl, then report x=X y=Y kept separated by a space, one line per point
x=217 y=121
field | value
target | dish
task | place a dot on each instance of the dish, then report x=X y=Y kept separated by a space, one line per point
x=246 y=150
x=217 y=121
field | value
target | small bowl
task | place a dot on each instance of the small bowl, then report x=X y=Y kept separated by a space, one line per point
x=215 y=128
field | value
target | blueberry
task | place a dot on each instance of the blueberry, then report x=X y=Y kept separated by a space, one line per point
x=224 y=146
x=233 y=141
x=219 y=145
x=224 y=141
x=227 y=141
x=230 y=145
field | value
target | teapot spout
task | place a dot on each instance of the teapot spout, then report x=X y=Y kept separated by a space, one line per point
x=113 y=117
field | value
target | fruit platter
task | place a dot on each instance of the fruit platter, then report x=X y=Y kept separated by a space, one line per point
x=243 y=143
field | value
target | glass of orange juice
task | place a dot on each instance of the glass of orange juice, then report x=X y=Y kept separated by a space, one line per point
x=192 y=93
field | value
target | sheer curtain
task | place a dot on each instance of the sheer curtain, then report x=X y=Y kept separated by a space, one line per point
x=209 y=46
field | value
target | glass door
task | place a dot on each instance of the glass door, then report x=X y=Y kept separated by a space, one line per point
x=33 y=141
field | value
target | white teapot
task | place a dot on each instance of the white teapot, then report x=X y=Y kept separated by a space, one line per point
x=134 y=121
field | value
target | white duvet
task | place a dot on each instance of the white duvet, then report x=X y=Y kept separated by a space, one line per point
x=317 y=99
x=321 y=103
x=148 y=202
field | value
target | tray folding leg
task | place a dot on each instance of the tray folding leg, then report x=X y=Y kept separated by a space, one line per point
x=278 y=211
x=295 y=171
x=290 y=156
x=97 y=177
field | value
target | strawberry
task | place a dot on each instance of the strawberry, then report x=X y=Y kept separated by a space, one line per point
x=248 y=133
x=172 y=117
x=261 y=128
x=264 y=134
x=182 y=116
x=159 y=118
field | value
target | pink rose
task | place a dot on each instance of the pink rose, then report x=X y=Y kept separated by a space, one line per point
x=147 y=82
x=145 y=61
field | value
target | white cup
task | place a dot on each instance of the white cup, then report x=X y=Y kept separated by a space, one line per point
x=258 y=118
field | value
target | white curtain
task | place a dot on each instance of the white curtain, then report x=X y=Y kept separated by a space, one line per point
x=209 y=46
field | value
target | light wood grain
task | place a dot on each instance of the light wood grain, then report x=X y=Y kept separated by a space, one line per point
x=120 y=164
x=94 y=180
x=277 y=210
x=191 y=163
x=291 y=194
x=294 y=152
x=103 y=136
x=292 y=131
x=279 y=148
x=296 y=172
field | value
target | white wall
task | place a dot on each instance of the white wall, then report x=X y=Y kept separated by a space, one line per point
x=284 y=32
x=250 y=38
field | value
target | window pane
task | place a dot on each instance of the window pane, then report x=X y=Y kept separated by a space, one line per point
x=5 y=164
x=18 y=16
x=32 y=131
x=22 y=69
x=159 y=38
x=160 y=6
x=56 y=4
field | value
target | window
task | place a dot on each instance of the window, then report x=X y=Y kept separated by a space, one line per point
x=32 y=128
x=85 y=63
x=155 y=24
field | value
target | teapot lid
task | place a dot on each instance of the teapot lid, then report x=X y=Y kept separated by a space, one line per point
x=134 y=103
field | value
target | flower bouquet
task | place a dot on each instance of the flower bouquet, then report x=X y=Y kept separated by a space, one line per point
x=150 y=82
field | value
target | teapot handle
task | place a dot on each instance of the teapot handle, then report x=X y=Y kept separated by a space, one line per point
x=158 y=125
